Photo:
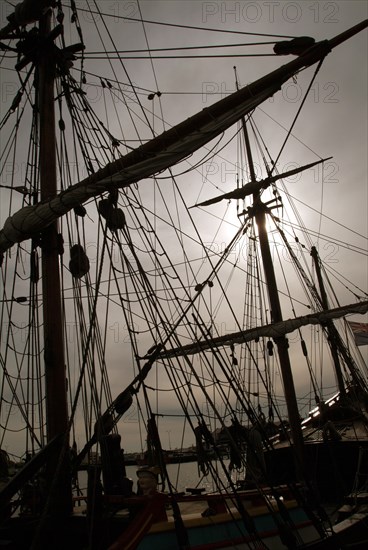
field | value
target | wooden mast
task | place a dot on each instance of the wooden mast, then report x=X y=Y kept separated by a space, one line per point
x=276 y=313
x=55 y=376
x=281 y=342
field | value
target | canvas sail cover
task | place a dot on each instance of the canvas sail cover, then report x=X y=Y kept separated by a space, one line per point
x=273 y=330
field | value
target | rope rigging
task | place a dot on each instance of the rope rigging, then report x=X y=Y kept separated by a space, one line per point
x=175 y=25
x=141 y=276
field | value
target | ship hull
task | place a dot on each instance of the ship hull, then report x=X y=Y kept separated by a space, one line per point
x=331 y=466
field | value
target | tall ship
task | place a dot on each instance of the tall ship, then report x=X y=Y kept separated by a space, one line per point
x=183 y=261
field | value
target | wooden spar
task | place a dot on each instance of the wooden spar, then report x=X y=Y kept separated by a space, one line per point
x=257 y=186
x=55 y=376
x=272 y=330
x=166 y=149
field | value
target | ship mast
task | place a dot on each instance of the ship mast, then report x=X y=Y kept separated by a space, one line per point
x=259 y=209
x=152 y=157
x=55 y=376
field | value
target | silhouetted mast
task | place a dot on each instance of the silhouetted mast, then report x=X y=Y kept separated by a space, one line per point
x=55 y=375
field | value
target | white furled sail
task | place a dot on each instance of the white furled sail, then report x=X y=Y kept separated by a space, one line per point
x=273 y=330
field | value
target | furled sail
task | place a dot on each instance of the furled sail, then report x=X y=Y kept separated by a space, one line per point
x=273 y=330
x=257 y=186
x=165 y=150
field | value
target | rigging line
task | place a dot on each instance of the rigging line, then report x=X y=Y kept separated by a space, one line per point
x=8 y=309
x=82 y=108
x=105 y=389
x=225 y=288
x=136 y=87
x=208 y=379
x=98 y=76
x=209 y=253
x=301 y=277
x=19 y=94
x=260 y=142
x=241 y=396
x=301 y=248
x=173 y=334
x=143 y=119
x=149 y=50
x=321 y=206
x=102 y=86
x=18 y=402
x=214 y=268
x=91 y=137
x=106 y=110
x=95 y=398
x=217 y=30
x=13 y=70
x=78 y=124
x=88 y=390
x=139 y=278
x=286 y=129
x=300 y=270
x=36 y=363
x=123 y=66
x=306 y=235
x=75 y=18
x=327 y=217
x=335 y=240
x=104 y=386
x=178 y=232
x=87 y=344
x=10 y=3
x=222 y=258
x=152 y=65
x=219 y=226
x=28 y=342
x=136 y=57
x=339 y=277
x=221 y=420
x=11 y=139
x=128 y=313
x=298 y=113
x=164 y=273
x=331 y=290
